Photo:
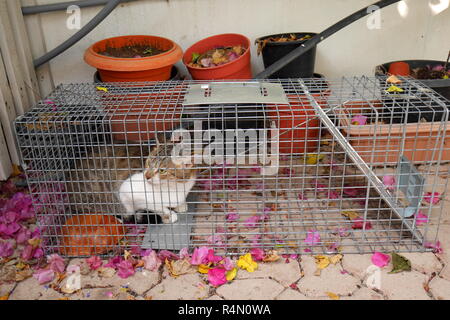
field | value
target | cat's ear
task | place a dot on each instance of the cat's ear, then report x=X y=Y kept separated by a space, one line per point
x=160 y=138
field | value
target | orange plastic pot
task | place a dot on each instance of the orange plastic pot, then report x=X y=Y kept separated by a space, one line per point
x=153 y=68
x=399 y=69
x=139 y=117
x=85 y=235
x=239 y=69
x=298 y=124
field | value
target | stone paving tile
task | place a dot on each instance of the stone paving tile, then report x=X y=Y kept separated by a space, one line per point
x=285 y=273
x=214 y=297
x=363 y=294
x=357 y=264
x=440 y=288
x=445 y=273
x=185 y=287
x=290 y=294
x=425 y=262
x=250 y=289
x=330 y=280
x=28 y=289
x=102 y=294
x=6 y=288
x=404 y=285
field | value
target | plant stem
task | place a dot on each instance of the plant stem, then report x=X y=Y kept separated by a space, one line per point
x=446 y=62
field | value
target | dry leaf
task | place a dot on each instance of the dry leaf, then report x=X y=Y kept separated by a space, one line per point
x=336 y=258
x=179 y=267
x=23 y=274
x=393 y=79
x=352 y=215
x=106 y=272
x=333 y=296
x=271 y=256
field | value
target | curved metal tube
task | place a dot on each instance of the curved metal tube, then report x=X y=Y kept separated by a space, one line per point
x=112 y=4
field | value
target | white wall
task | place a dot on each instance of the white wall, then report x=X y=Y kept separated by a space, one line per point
x=354 y=50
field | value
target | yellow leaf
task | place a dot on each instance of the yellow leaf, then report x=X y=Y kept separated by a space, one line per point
x=20 y=266
x=350 y=214
x=16 y=170
x=394 y=89
x=5 y=297
x=231 y=274
x=332 y=295
x=35 y=242
x=322 y=261
x=336 y=258
x=126 y=254
x=445 y=77
x=102 y=89
x=313 y=158
x=179 y=267
x=246 y=262
x=203 y=268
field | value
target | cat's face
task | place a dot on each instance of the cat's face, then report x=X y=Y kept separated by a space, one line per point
x=162 y=165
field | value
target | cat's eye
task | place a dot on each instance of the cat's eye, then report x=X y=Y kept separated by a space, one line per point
x=162 y=171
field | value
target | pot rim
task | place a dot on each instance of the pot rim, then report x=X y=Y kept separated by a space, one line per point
x=274 y=43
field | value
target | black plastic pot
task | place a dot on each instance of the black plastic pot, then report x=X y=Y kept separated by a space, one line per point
x=175 y=75
x=441 y=86
x=302 y=67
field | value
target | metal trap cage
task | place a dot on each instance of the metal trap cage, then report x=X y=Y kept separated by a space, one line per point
x=297 y=165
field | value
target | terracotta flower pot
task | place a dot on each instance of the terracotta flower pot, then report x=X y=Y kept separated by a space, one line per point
x=239 y=69
x=86 y=235
x=152 y=68
x=384 y=143
x=139 y=117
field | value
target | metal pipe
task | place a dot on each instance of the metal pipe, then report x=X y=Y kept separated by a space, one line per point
x=43 y=8
x=294 y=54
x=111 y=5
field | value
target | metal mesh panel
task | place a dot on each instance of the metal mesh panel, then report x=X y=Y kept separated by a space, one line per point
x=300 y=166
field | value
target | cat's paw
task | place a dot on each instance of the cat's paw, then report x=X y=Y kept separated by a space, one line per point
x=182 y=208
x=170 y=218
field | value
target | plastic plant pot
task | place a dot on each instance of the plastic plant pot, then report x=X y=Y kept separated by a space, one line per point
x=302 y=67
x=239 y=69
x=298 y=124
x=139 y=117
x=399 y=68
x=382 y=143
x=90 y=234
x=441 y=86
x=174 y=75
x=153 y=68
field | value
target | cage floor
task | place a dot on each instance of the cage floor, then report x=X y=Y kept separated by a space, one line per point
x=297 y=211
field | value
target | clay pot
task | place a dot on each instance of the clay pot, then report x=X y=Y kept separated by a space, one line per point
x=90 y=234
x=153 y=68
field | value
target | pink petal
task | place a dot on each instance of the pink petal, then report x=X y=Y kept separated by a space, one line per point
x=6 y=249
x=199 y=256
x=436 y=246
x=151 y=261
x=217 y=276
x=251 y=222
x=125 y=269
x=212 y=258
x=433 y=198
x=421 y=218
x=333 y=195
x=228 y=264
x=389 y=181
x=380 y=259
x=257 y=254
x=312 y=237
x=44 y=275
x=232 y=217
x=359 y=120
x=56 y=263
x=94 y=262
x=184 y=253
x=359 y=223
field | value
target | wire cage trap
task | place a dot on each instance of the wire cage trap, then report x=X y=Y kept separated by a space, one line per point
x=297 y=165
